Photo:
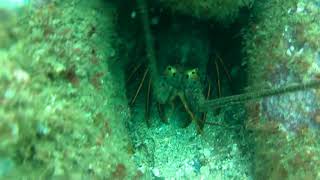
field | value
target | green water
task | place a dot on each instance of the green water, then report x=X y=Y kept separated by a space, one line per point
x=104 y=89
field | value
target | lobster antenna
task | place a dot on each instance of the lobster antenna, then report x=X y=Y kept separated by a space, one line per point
x=237 y=99
x=149 y=42
x=139 y=88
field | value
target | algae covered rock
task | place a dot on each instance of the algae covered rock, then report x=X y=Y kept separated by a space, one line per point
x=64 y=111
x=62 y=102
x=283 y=48
x=224 y=11
x=8 y=32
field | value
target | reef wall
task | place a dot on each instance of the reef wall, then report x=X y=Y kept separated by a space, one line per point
x=283 y=48
x=62 y=101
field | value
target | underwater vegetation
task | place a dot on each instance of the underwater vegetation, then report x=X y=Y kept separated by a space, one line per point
x=108 y=90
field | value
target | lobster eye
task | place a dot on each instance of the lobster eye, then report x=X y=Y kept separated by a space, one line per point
x=192 y=74
x=170 y=71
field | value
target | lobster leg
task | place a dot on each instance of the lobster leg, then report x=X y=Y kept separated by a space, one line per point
x=204 y=114
x=148 y=104
x=163 y=118
x=191 y=114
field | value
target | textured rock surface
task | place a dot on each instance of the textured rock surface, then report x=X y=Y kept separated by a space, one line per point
x=283 y=47
x=62 y=101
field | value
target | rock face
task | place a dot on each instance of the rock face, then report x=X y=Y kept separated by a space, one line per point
x=62 y=100
x=283 y=48
x=222 y=10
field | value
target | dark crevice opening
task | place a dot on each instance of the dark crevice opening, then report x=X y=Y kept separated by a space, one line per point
x=225 y=56
x=170 y=31
x=225 y=66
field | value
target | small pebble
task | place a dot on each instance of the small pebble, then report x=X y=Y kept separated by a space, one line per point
x=156 y=172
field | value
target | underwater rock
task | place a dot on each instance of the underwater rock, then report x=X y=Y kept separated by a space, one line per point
x=8 y=29
x=62 y=101
x=6 y=165
x=224 y=11
x=12 y=4
x=282 y=47
x=39 y=3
